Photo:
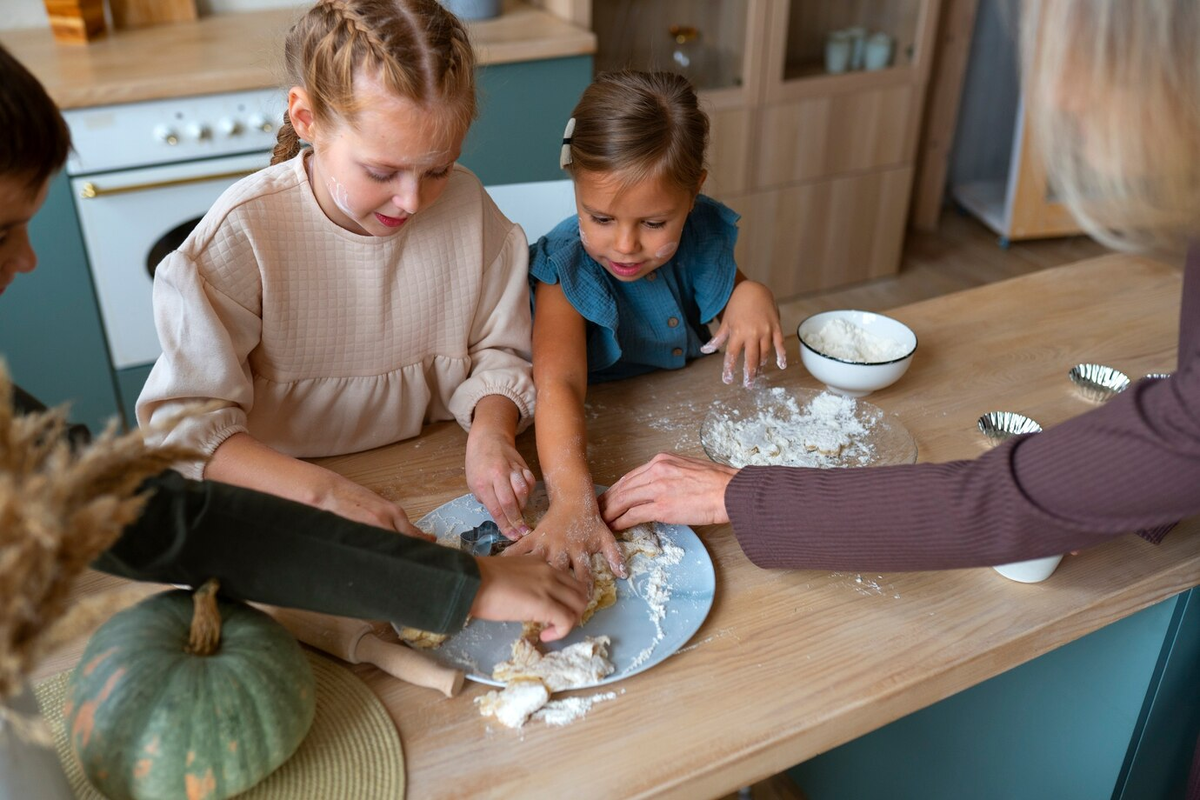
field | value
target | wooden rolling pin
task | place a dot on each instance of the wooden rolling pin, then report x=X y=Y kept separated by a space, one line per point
x=355 y=641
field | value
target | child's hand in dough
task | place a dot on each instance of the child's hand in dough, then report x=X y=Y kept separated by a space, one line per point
x=529 y=590
x=566 y=538
x=750 y=323
x=499 y=478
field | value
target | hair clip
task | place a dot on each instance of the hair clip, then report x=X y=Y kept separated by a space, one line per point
x=564 y=158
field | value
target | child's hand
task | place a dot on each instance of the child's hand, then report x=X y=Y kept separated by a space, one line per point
x=500 y=479
x=346 y=498
x=566 y=538
x=529 y=590
x=750 y=322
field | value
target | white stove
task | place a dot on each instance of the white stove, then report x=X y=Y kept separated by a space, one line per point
x=143 y=174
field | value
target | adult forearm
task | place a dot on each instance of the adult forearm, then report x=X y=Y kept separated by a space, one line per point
x=1111 y=471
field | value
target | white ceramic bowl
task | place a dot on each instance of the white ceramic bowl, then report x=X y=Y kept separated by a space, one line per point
x=850 y=378
x=1033 y=571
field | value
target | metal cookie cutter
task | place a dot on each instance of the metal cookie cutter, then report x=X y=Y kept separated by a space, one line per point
x=484 y=539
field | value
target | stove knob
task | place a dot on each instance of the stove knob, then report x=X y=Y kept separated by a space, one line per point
x=260 y=122
x=166 y=135
x=198 y=131
x=229 y=126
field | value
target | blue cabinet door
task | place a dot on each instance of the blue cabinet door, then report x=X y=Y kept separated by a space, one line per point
x=1160 y=755
x=50 y=329
x=1056 y=728
x=523 y=108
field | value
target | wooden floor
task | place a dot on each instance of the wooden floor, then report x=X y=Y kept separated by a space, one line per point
x=962 y=254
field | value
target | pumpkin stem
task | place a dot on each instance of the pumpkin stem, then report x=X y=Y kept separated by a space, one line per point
x=205 y=635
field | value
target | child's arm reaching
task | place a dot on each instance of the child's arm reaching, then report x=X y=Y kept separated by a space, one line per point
x=750 y=323
x=572 y=529
x=499 y=390
x=244 y=461
x=496 y=473
x=524 y=590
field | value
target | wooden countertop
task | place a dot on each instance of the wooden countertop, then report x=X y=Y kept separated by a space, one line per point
x=792 y=663
x=234 y=52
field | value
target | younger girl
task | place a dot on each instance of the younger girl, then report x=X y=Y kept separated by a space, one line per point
x=358 y=289
x=629 y=285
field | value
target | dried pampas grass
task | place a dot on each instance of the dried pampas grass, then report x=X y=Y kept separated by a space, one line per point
x=59 y=509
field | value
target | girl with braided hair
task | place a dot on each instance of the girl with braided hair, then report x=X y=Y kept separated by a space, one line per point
x=358 y=288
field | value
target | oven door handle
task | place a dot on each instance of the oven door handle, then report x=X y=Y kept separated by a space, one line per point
x=90 y=190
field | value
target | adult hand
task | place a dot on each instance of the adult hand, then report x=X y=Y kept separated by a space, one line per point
x=529 y=590
x=500 y=479
x=750 y=325
x=346 y=498
x=677 y=490
x=566 y=538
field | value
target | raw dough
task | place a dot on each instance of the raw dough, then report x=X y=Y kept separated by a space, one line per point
x=514 y=705
x=580 y=664
x=422 y=639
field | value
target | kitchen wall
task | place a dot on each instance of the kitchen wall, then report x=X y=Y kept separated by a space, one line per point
x=32 y=14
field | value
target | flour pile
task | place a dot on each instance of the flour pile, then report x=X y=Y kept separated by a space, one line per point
x=843 y=339
x=828 y=431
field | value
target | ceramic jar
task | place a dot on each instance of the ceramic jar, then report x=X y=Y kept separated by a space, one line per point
x=878 y=52
x=838 y=52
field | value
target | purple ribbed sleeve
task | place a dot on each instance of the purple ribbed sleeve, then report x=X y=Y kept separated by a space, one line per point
x=1132 y=464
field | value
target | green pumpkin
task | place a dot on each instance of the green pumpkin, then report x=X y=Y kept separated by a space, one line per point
x=168 y=702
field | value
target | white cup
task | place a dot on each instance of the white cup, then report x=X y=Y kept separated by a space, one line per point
x=878 y=53
x=1033 y=571
x=838 y=51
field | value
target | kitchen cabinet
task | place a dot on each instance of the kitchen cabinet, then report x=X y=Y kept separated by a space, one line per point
x=815 y=161
x=523 y=108
x=50 y=329
x=1109 y=715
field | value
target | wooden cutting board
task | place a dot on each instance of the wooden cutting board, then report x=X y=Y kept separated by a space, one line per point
x=139 y=13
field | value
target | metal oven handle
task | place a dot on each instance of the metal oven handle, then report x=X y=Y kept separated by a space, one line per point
x=90 y=190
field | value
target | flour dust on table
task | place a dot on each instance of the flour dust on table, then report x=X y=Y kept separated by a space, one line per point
x=803 y=428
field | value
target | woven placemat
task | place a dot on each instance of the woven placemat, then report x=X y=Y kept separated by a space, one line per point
x=351 y=751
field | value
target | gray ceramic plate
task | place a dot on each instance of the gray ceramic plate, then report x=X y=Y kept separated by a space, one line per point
x=636 y=645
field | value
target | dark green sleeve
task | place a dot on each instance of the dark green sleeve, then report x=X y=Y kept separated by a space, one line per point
x=271 y=550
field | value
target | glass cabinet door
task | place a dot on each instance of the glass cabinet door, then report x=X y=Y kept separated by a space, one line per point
x=704 y=40
x=836 y=37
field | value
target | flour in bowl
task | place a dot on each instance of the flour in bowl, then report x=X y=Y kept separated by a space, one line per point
x=827 y=432
x=842 y=339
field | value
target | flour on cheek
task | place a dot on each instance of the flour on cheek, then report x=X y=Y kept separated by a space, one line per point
x=667 y=250
x=341 y=198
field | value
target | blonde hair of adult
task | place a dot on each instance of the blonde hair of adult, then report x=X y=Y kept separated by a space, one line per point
x=415 y=48
x=1113 y=89
x=639 y=125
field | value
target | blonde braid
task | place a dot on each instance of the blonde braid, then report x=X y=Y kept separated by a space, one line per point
x=347 y=15
x=414 y=48
x=287 y=143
